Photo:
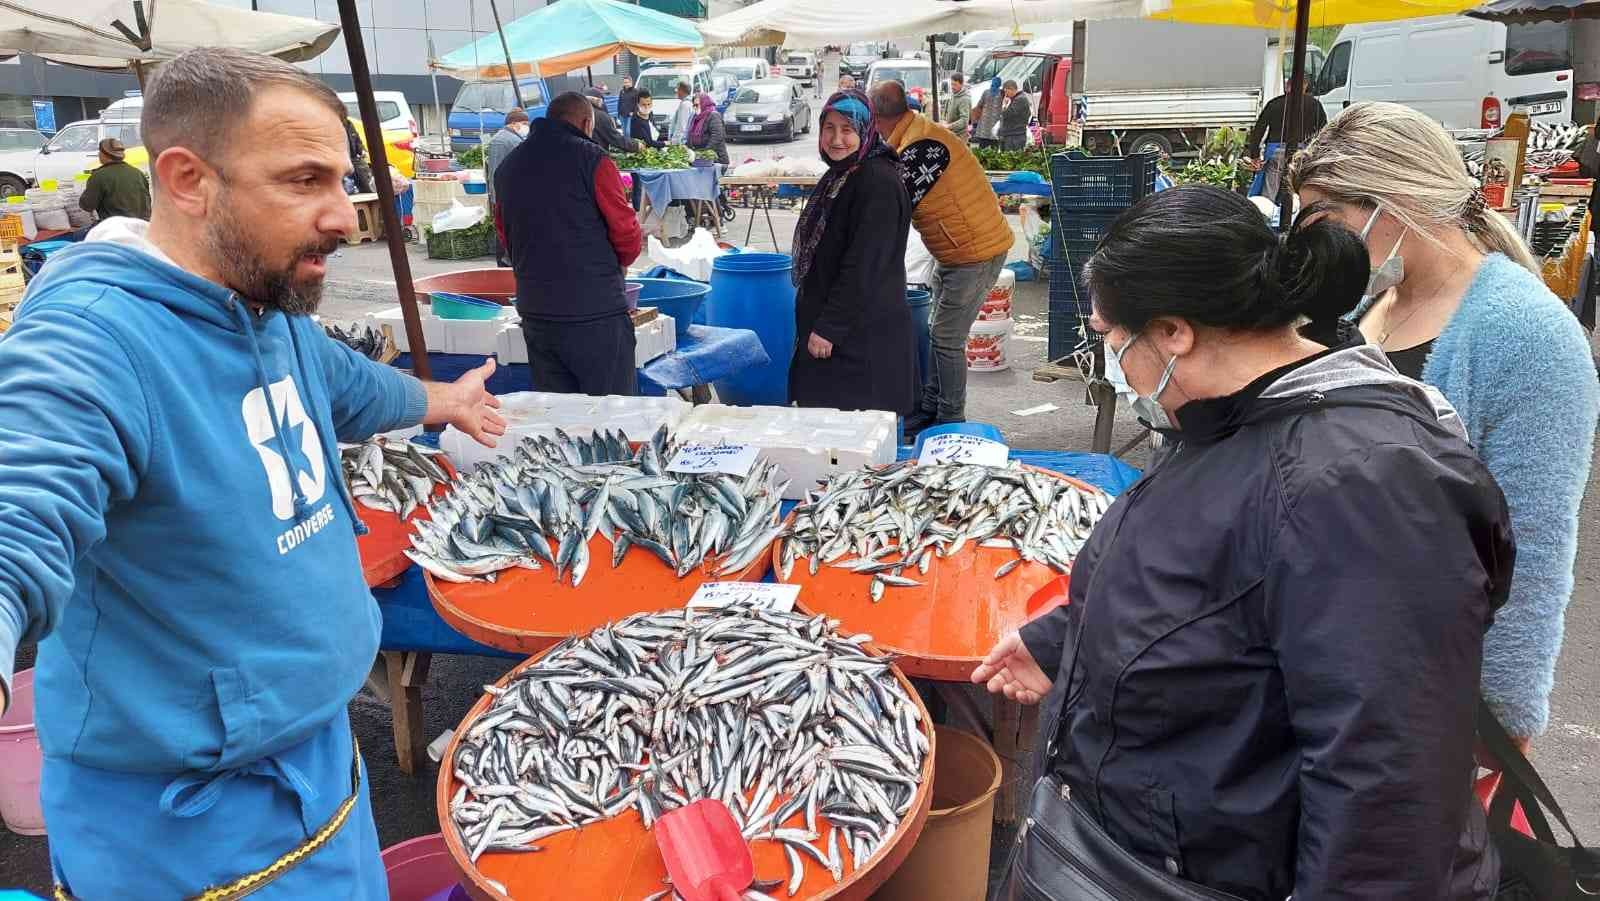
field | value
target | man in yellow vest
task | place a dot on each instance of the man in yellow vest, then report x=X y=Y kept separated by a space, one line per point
x=958 y=216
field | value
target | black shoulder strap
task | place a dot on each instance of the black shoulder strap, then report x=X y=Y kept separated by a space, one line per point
x=1520 y=780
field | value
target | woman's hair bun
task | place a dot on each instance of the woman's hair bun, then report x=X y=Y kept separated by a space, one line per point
x=1323 y=269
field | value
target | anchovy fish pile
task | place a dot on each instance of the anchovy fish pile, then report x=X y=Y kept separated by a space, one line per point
x=393 y=476
x=507 y=513
x=809 y=740
x=882 y=522
x=360 y=337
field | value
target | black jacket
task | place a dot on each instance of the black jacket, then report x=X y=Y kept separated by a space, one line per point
x=608 y=135
x=627 y=102
x=855 y=296
x=645 y=132
x=1270 y=123
x=713 y=138
x=555 y=232
x=1278 y=633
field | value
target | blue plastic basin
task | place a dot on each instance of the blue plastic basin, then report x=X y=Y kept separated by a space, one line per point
x=460 y=306
x=675 y=297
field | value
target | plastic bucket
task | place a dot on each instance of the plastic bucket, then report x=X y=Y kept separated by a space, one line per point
x=420 y=869
x=675 y=297
x=461 y=306
x=989 y=346
x=497 y=284
x=20 y=761
x=951 y=857
x=997 y=304
x=631 y=290
x=752 y=291
x=921 y=304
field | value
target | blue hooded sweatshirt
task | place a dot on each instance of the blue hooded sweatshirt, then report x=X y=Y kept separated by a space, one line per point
x=173 y=519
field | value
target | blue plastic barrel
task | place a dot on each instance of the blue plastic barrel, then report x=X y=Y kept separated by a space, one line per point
x=676 y=297
x=752 y=291
x=921 y=303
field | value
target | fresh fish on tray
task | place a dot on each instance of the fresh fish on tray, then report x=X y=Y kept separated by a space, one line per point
x=810 y=740
x=362 y=338
x=889 y=523
x=540 y=506
x=393 y=476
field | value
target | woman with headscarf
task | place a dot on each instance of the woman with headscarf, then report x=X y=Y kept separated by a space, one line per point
x=854 y=342
x=986 y=115
x=706 y=130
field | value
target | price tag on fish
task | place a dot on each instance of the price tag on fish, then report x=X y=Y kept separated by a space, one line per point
x=731 y=459
x=958 y=448
x=768 y=595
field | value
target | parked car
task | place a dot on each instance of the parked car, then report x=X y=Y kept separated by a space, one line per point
x=913 y=73
x=662 y=83
x=75 y=148
x=767 y=108
x=1464 y=72
x=480 y=109
x=743 y=68
x=18 y=149
x=858 y=58
x=393 y=110
x=723 y=88
x=801 y=65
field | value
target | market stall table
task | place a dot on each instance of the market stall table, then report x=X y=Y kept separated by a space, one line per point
x=763 y=190
x=654 y=190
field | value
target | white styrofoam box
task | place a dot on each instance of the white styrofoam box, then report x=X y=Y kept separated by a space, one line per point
x=652 y=339
x=447 y=336
x=532 y=413
x=808 y=444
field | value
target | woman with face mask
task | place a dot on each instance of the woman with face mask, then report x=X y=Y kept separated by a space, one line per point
x=1256 y=688
x=855 y=346
x=1456 y=301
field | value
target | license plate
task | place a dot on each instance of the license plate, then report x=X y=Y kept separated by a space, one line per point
x=455 y=132
x=749 y=128
x=1549 y=106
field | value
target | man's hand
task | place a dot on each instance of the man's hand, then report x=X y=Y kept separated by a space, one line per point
x=1011 y=670
x=467 y=405
x=1254 y=164
x=819 y=347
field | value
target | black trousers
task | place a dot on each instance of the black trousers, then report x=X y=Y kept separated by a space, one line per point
x=593 y=357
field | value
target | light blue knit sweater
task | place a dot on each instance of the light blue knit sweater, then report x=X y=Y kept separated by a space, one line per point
x=1517 y=367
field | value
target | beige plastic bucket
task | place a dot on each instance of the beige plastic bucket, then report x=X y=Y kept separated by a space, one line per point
x=951 y=858
x=20 y=761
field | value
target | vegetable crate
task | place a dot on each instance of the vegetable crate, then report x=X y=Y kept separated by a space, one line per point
x=1109 y=184
x=461 y=243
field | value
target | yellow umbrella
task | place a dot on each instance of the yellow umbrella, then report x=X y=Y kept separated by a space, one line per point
x=1280 y=14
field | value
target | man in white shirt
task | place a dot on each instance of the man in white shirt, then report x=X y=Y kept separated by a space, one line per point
x=680 y=119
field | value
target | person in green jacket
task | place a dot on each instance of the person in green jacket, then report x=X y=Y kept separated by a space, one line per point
x=116 y=188
x=957 y=115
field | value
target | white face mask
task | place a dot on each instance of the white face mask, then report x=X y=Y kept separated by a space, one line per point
x=1393 y=269
x=1147 y=406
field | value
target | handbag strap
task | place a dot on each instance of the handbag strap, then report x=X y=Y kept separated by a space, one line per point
x=1522 y=780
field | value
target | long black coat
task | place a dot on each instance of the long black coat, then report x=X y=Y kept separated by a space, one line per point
x=1278 y=634
x=855 y=296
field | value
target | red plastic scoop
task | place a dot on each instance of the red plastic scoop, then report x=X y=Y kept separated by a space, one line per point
x=706 y=854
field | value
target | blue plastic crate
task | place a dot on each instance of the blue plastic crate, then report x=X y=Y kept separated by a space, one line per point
x=1079 y=232
x=1063 y=336
x=1109 y=183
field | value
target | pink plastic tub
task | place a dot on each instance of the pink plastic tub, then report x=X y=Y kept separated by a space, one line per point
x=20 y=761
x=420 y=869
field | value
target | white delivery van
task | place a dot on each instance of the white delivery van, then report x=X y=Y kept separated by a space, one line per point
x=1466 y=73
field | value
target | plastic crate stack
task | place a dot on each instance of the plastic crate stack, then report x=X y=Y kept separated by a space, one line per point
x=1089 y=192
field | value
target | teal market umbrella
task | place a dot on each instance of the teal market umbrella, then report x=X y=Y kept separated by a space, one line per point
x=570 y=35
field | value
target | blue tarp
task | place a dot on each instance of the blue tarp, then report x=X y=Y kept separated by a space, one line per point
x=663 y=186
x=708 y=353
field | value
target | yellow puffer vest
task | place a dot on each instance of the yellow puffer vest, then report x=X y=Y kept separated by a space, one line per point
x=960 y=218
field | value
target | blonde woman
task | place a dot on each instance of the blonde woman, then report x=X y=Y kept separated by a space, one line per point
x=1456 y=301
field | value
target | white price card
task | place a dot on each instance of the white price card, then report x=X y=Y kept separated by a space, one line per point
x=769 y=595
x=959 y=448
x=732 y=459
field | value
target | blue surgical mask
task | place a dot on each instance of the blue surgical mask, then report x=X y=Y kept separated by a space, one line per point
x=1393 y=269
x=1147 y=406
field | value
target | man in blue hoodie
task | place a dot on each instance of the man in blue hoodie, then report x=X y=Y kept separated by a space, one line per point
x=174 y=526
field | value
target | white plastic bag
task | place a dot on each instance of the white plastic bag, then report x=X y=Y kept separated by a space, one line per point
x=919 y=262
x=459 y=216
x=692 y=258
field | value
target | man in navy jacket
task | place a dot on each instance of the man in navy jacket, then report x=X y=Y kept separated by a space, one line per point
x=571 y=234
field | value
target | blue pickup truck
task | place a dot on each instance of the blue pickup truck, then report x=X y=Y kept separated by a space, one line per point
x=480 y=107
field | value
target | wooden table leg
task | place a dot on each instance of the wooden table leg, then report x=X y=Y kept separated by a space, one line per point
x=1104 y=398
x=408 y=672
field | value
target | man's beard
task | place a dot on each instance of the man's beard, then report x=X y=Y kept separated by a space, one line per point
x=243 y=269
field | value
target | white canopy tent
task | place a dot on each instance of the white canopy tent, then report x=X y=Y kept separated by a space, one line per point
x=814 y=23
x=135 y=35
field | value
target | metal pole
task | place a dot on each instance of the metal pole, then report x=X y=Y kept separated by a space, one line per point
x=933 y=63
x=1293 y=105
x=516 y=89
x=373 y=126
x=433 y=75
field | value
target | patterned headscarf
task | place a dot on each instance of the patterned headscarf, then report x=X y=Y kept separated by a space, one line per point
x=814 y=220
x=697 y=125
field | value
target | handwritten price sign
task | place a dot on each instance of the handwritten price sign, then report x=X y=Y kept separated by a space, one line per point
x=957 y=448
x=732 y=459
x=768 y=595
